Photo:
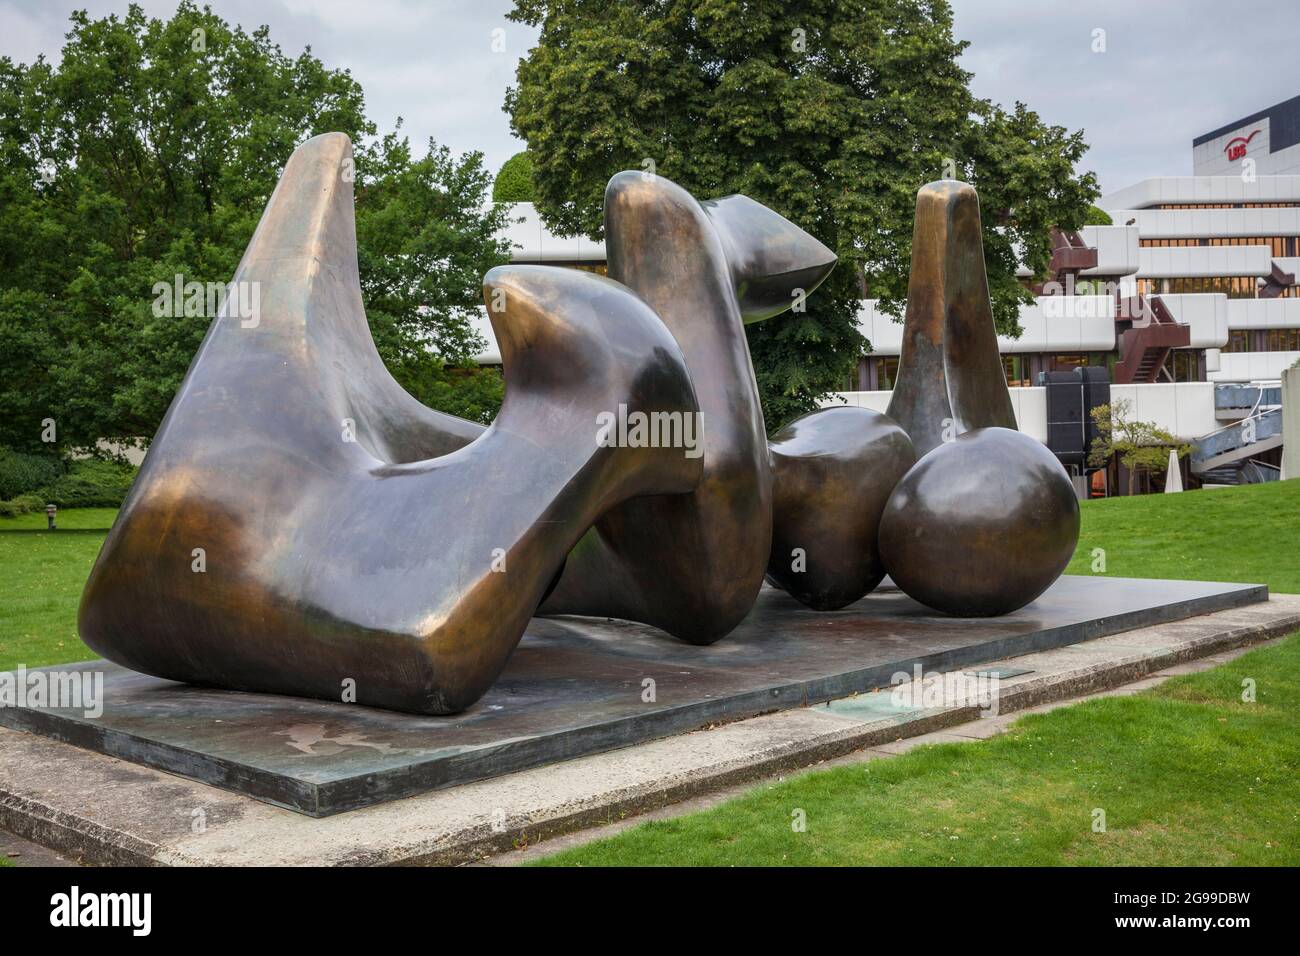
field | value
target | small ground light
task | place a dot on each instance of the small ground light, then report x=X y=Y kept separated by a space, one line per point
x=50 y=512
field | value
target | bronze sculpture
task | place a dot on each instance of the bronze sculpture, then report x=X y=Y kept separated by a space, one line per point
x=987 y=519
x=301 y=525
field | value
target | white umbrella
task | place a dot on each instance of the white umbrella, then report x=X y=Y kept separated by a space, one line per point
x=1173 y=474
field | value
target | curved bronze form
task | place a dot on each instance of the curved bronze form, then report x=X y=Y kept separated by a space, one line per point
x=693 y=564
x=299 y=526
x=982 y=525
x=833 y=471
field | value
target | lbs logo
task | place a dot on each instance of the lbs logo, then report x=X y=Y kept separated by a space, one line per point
x=1236 y=147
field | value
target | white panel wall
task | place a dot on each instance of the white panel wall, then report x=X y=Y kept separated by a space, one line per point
x=1206 y=313
x=1117 y=248
x=1212 y=223
x=1201 y=189
x=1070 y=323
x=1186 y=409
x=1252 y=366
x=533 y=242
x=1202 y=261
x=1263 y=313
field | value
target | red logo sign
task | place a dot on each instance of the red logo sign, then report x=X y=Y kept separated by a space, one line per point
x=1236 y=147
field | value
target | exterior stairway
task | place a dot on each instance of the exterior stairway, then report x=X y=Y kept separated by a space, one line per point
x=1149 y=333
x=1231 y=445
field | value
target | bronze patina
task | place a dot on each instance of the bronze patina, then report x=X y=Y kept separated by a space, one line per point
x=301 y=525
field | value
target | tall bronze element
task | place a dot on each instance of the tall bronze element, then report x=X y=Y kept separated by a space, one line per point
x=988 y=518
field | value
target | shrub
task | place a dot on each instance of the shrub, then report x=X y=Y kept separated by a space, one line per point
x=90 y=483
x=514 y=183
x=21 y=505
x=22 y=473
x=1097 y=217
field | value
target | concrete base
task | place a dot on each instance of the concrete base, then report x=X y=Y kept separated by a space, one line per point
x=107 y=811
x=580 y=686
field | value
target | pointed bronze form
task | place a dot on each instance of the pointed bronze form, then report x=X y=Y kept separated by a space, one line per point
x=950 y=375
x=302 y=526
x=987 y=519
x=693 y=564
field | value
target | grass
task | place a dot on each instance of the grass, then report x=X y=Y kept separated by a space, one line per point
x=41 y=576
x=1245 y=534
x=1186 y=773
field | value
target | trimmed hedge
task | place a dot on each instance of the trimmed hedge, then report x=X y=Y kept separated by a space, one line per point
x=29 y=482
x=21 y=505
x=21 y=473
x=90 y=483
x=514 y=183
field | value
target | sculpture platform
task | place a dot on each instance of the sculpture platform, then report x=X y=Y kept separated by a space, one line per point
x=578 y=686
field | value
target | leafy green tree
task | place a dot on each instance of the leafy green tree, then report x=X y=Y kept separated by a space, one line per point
x=514 y=182
x=1097 y=217
x=149 y=152
x=1140 y=445
x=832 y=112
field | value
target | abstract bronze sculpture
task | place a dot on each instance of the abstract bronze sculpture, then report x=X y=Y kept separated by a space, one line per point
x=988 y=518
x=301 y=525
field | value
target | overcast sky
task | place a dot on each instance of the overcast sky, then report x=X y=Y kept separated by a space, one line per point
x=1171 y=68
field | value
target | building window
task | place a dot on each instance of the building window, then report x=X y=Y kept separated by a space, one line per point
x=1279 y=245
x=1183 y=365
x=1064 y=363
x=1282 y=340
x=1238 y=341
x=887 y=370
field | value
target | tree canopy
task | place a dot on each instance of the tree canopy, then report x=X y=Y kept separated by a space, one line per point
x=149 y=152
x=514 y=182
x=831 y=112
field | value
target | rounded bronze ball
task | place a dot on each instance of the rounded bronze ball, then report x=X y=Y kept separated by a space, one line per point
x=981 y=525
x=832 y=472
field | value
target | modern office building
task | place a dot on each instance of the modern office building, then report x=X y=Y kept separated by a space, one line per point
x=1188 y=301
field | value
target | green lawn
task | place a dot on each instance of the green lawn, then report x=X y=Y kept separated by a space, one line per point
x=1187 y=773
x=41 y=575
x=1247 y=534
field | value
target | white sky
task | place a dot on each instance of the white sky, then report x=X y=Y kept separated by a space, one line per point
x=1172 y=68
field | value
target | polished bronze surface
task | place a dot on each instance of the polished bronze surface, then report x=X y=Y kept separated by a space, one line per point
x=301 y=525
x=950 y=376
x=988 y=518
x=297 y=526
x=693 y=564
x=833 y=470
x=981 y=525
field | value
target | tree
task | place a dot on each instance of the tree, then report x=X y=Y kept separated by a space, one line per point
x=832 y=112
x=1139 y=445
x=514 y=182
x=149 y=152
x=1097 y=216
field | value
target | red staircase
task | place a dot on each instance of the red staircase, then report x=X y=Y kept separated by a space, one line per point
x=1150 y=334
